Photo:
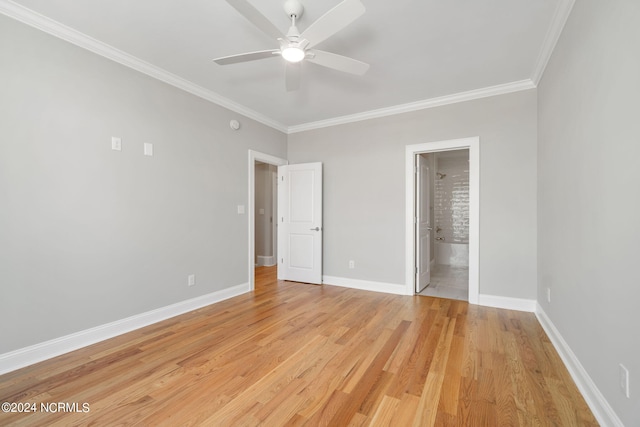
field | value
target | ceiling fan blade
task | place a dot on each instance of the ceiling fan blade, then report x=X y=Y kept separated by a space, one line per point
x=245 y=57
x=254 y=16
x=333 y=21
x=338 y=62
x=292 y=75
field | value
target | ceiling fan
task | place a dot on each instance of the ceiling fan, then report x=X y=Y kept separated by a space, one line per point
x=295 y=47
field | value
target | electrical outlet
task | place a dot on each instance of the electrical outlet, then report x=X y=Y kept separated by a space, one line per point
x=191 y=280
x=548 y=294
x=624 y=380
x=352 y=264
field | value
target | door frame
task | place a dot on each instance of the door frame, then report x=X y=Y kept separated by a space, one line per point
x=251 y=201
x=473 y=145
x=274 y=215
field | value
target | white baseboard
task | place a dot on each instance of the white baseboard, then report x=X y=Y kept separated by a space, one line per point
x=267 y=261
x=519 y=304
x=46 y=350
x=601 y=409
x=365 y=285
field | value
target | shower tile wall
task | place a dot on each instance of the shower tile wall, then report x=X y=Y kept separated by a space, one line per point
x=451 y=198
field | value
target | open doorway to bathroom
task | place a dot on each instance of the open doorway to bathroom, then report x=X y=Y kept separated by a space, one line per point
x=446 y=193
x=416 y=244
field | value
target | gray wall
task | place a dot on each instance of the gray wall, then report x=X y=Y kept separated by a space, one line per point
x=589 y=199
x=364 y=189
x=89 y=235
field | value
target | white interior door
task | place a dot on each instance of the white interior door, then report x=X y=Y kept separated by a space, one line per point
x=423 y=223
x=300 y=223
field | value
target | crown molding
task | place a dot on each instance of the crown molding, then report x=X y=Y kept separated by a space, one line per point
x=558 y=22
x=48 y=25
x=418 y=105
x=57 y=29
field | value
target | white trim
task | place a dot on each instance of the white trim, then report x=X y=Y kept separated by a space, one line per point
x=418 y=105
x=559 y=20
x=473 y=144
x=364 y=285
x=251 y=200
x=274 y=216
x=46 y=350
x=601 y=409
x=519 y=304
x=266 y=260
x=56 y=29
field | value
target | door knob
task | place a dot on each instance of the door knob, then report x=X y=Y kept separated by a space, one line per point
x=315 y=229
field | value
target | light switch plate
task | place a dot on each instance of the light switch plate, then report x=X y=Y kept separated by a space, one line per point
x=116 y=143
x=240 y=209
x=148 y=149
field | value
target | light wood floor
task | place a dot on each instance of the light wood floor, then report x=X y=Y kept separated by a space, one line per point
x=296 y=354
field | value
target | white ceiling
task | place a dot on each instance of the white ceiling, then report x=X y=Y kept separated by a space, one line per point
x=419 y=50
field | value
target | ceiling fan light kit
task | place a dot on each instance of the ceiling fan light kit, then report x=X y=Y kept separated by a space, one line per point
x=292 y=54
x=295 y=46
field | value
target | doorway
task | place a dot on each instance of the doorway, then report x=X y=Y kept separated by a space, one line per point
x=265 y=214
x=442 y=251
x=413 y=266
x=263 y=162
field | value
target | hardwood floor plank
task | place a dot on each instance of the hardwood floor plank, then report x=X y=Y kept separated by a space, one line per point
x=506 y=414
x=406 y=411
x=410 y=359
x=384 y=415
x=369 y=379
x=430 y=395
x=291 y=354
x=451 y=387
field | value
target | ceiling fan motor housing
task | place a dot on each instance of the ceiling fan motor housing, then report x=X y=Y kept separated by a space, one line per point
x=293 y=8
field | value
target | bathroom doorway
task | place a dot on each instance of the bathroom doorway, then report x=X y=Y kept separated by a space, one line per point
x=447 y=197
x=453 y=192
